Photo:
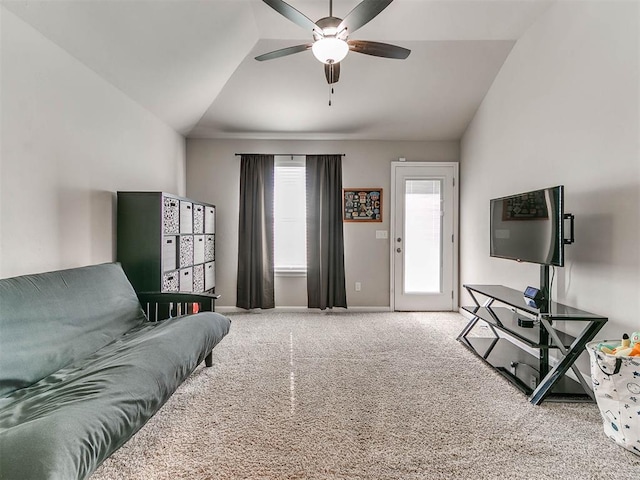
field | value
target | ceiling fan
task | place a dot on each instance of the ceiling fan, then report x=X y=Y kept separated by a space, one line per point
x=331 y=36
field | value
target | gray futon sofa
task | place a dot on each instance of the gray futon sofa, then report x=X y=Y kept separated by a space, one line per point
x=81 y=368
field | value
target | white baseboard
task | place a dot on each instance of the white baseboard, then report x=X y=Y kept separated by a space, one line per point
x=294 y=309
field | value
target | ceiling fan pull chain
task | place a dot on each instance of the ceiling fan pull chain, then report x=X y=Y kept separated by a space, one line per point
x=330 y=93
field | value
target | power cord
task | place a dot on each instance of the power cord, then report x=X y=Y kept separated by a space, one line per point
x=553 y=275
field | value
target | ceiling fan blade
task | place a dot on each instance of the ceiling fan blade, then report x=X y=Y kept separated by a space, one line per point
x=292 y=14
x=283 y=52
x=362 y=14
x=332 y=72
x=378 y=49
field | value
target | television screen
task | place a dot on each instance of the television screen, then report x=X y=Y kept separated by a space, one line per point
x=528 y=227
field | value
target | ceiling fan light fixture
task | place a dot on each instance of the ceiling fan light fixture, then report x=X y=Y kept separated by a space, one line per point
x=330 y=50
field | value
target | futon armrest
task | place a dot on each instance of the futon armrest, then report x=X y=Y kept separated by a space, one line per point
x=160 y=305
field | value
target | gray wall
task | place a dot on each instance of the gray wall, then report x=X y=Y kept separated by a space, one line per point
x=213 y=176
x=564 y=110
x=69 y=141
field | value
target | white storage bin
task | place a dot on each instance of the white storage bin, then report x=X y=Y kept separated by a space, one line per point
x=198 y=249
x=186 y=217
x=209 y=220
x=186 y=280
x=616 y=386
x=209 y=276
x=169 y=253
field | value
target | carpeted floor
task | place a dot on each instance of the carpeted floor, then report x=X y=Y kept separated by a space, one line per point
x=361 y=396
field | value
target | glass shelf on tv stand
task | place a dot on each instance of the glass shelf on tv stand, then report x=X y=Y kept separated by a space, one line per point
x=521 y=354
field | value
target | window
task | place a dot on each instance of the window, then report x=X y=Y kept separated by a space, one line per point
x=290 y=214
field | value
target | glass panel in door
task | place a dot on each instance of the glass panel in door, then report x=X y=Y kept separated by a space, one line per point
x=423 y=236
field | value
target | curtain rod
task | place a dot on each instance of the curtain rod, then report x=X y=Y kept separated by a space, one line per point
x=290 y=154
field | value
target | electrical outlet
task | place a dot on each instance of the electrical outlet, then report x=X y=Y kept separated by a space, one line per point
x=358 y=286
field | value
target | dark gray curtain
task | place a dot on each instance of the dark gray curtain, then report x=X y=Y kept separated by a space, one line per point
x=255 y=233
x=325 y=243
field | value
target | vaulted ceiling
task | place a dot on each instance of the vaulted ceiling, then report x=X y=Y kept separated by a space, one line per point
x=191 y=63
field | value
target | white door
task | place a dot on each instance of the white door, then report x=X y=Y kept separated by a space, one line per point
x=424 y=242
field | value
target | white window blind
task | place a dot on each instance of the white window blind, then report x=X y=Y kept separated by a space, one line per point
x=290 y=214
x=423 y=236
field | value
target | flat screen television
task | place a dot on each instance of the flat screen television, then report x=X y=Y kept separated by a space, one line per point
x=528 y=227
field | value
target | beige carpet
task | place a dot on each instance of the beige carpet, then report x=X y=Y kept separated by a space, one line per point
x=361 y=396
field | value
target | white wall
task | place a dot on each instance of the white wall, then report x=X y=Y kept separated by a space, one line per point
x=564 y=109
x=213 y=175
x=69 y=140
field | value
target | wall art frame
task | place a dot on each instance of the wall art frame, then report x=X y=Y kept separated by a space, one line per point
x=362 y=204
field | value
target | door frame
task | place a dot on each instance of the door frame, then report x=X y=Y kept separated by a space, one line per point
x=395 y=165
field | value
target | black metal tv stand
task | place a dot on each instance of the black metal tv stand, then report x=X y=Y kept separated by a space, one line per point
x=521 y=354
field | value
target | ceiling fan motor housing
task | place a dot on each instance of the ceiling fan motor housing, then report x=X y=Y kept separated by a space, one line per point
x=329 y=28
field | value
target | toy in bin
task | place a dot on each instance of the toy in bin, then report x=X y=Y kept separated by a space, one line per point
x=628 y=347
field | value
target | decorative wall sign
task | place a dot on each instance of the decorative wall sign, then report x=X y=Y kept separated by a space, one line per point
x=362 y=204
